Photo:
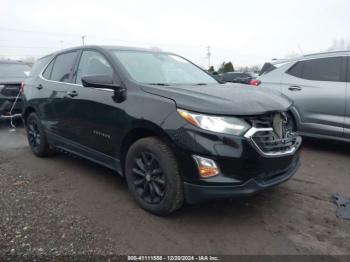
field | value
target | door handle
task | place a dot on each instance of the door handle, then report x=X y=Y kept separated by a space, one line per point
x=72 y=93
x=295 y=88
x=39 y=87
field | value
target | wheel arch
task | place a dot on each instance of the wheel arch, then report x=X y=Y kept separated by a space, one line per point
x=27 y=111
x=296 y=116
x=141 y=130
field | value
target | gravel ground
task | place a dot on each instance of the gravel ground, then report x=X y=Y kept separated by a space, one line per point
x=62 y=205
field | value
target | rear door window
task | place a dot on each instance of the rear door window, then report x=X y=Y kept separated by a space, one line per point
x=320 y=69
x=63 y=67
x=228 y=77
x=39 y=65
x=323 y=69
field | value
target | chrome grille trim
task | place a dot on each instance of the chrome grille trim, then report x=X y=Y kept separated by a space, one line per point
x=249 y=135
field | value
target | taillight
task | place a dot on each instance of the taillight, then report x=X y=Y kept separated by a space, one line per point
x=255 y=82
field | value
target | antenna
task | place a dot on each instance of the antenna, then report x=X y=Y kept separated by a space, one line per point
x=83 y=39
x=208 y=56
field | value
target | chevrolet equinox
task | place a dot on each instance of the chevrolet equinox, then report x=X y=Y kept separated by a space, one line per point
x=171 y=129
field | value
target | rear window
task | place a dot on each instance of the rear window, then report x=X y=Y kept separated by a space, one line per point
x=296 y=70
x=233 y=76
x=228 y=77
x=47 y=72
x=39 y=65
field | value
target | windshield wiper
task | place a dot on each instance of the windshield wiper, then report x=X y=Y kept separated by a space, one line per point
x=158 y=84
x=200 y=84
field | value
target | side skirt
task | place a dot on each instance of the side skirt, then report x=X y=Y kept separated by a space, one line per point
x=84 y=152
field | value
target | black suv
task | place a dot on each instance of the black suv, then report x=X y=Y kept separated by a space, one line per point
x=172 y=130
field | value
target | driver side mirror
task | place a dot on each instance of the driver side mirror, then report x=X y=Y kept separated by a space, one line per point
x=105 y=82
x=99 y=81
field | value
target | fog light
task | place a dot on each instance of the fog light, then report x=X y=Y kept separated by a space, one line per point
x=206 y=167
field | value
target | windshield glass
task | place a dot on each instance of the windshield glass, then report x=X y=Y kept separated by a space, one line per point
x=162 y=69
x=9 y=70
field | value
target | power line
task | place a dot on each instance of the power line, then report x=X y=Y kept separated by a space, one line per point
x=59 y=34
x=25 y=47
x=64 y=34
x=36 y=32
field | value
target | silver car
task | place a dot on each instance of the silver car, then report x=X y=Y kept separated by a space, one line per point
x=319 y=85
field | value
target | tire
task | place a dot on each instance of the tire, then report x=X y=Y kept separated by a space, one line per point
x=36 y=136
x=153 y=178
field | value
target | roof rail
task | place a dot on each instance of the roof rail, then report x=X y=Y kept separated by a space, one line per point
x=283 y=60
x=327 y=52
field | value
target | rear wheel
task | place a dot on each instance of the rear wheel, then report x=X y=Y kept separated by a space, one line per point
x=153 y=177
x=36 y=136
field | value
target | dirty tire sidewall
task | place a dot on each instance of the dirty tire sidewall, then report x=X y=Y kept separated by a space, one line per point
x=173 y=198
x=43 y=149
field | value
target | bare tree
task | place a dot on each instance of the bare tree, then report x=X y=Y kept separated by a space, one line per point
x=252 y=69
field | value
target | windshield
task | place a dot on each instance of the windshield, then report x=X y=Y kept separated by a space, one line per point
x=9 y=70
x=162 y=69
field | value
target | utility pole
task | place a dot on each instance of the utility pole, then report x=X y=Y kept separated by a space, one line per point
x=83 y=39
x=208 y=56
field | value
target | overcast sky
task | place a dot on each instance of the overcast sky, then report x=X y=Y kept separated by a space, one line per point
x=245 y=32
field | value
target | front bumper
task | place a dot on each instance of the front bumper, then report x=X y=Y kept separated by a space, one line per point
x=244 y=169
x=195 y=193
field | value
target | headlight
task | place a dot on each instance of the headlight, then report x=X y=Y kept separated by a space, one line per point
x=219 y=124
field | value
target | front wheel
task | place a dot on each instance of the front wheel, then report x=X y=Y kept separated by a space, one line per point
x=36 y=136
x=152 y=175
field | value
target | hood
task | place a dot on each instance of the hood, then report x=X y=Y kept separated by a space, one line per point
x=223 y=99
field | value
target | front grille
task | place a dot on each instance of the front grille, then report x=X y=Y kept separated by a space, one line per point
x=264 y=121
x=10 y=89
x=268 y=141
x=273 y=134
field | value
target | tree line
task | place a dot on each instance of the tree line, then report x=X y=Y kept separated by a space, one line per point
x=228 y=67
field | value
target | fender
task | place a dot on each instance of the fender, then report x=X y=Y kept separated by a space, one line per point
x=296 y=116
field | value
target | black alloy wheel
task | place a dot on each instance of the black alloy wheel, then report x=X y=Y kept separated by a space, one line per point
x=33 y=134
x=149 y=180
x=36 y=136
x=153 y=176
